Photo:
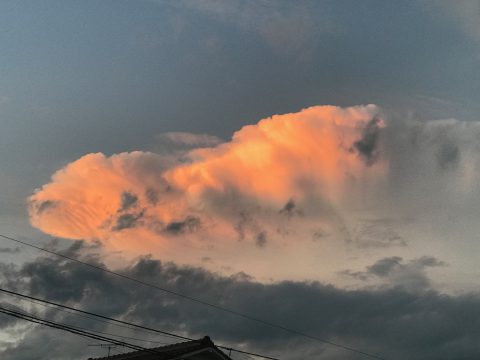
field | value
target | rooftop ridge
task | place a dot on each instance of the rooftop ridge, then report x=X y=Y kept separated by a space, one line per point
x=168 y=351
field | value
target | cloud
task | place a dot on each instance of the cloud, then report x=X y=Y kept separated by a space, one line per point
x=127 y=221
x=7 y=250
x=300 y=166
x=128 y=200
x=189 y=224
x=377 y=233
x=290 y=29
x=385 y=266
x=448 y=156
x=172 y=142
x=45 y=205
x=353 y=184
x=290 y=209
x=394 y=272
x=463 y=13
x=367 y=146
x=435 y=164
x=261 y=239
x=431 y=325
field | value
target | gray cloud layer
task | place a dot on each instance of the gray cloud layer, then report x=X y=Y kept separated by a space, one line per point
x=395 y=321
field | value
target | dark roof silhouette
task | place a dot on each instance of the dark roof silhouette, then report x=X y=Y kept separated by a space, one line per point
x=202 y=349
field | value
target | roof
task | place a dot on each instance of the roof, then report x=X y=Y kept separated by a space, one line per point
x=204 y=349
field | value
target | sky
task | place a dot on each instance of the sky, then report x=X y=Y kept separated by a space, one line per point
x=311 y=163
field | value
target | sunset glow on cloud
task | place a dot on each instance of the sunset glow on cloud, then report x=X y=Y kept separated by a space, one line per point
x=330 y=187
x=301 y=165
x=313 y=165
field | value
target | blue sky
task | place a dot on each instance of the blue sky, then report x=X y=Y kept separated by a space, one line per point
x=107 y=76
x=115 y=76
x=88 y=76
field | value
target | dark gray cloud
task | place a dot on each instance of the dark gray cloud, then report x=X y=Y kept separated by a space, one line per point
x=385 y=266
x=8 y=273
x=431 y=325
x=45 y=205
x=358 y=275
x=248 y=227
x=394 y=271
x=242 y=223
x=291 y=209
x=189 y=224
x=261 y=239
x=7 y=250
x=128 y=221
x=152 y=196
x=128 y=200
x=7 y=321
x=131 y=219
x=448 y=156
x=428 y=261
x=367 y=146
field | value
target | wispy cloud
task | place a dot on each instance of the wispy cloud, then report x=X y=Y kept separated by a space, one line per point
x=289 y=29
x=463 y=13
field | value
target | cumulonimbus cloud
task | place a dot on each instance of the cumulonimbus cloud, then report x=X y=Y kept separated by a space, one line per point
x=312 y=185
x=300 y=165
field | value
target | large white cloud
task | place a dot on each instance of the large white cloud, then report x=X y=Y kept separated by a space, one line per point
x=330 y=187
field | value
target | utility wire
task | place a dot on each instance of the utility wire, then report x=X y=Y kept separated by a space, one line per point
x=79 y=331
x=71 y=329
x=214 y=306
x=131 y=325
x=93 y=314
x=118 y=335
x=37 y=302
x=63 y=308
x=82 y=332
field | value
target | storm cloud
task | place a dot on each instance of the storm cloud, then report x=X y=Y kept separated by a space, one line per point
x=365 y=181
x=431 y=325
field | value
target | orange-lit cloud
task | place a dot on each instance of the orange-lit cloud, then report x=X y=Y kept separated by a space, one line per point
x=293 y=168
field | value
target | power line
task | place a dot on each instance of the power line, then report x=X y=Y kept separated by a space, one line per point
x=89 y=334
x=38 y=302
x=94 y=314
x=71 y=329
x=78 y=331
x=152 y=330
x=121 y=336
x=214 y=306
x=58 y=307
